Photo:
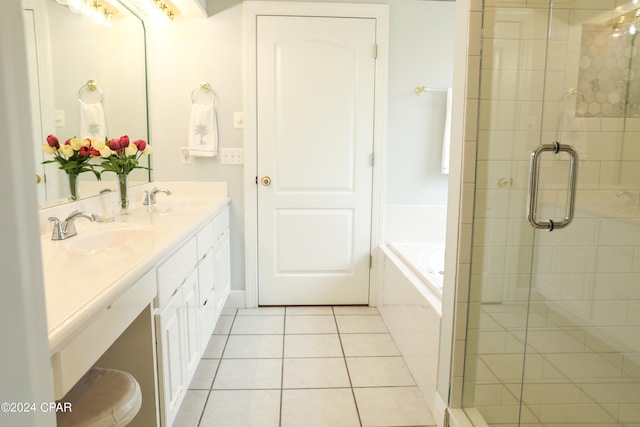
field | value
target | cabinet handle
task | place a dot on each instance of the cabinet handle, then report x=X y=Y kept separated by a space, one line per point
x=109 y=306
x=175 y=291
x=205 y=302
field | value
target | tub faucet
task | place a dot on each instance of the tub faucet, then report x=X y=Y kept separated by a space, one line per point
x=150 y=196
x=64 y=229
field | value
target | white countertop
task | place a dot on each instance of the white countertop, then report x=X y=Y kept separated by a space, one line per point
x=86 y=273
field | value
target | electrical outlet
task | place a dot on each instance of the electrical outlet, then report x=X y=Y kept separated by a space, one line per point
x=185 y=157
x=231 y=156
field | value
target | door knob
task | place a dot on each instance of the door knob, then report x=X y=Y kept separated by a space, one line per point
x=266 y=180
x=38 y=179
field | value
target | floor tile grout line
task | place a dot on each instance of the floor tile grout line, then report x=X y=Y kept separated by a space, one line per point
x=206 y=401
x=344 y=358
x=339 y=334
x=284 y=337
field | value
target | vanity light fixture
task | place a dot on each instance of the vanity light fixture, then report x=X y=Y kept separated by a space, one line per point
x=625 y=24
x=101 y=11
x=163 y=11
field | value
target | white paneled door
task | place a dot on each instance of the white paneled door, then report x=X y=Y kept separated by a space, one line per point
x=315 y=109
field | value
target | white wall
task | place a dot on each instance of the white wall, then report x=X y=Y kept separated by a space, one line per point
x=198 y=49
x=421 y=53
x=421 y=40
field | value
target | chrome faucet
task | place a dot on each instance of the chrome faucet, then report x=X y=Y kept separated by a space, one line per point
x=64 y=229
x=150 y=196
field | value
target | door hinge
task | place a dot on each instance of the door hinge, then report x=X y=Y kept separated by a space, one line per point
x=256 y=180
x=370 y=262
x=375 y=51
x=373 y=159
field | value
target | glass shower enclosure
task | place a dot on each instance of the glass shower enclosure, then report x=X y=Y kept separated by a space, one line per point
x=553 y=333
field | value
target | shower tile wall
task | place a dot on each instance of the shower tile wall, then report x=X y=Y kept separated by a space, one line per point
x=583 y=356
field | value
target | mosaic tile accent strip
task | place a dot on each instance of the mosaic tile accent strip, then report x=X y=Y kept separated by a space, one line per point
x=609 y=75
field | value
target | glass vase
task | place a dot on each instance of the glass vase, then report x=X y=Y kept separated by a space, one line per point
x=73 y=186
x=124 y=193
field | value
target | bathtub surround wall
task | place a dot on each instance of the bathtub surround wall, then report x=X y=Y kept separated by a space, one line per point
x=415 y=223
x=211 y=49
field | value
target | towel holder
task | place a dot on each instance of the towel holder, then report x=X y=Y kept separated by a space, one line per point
x=203 y=87
x=90 y=86
x=422 y=90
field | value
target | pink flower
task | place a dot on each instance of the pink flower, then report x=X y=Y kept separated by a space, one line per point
x=94 y=152
x=141 y=144
x=114 y=144
x=53 y=141
x=124 y=141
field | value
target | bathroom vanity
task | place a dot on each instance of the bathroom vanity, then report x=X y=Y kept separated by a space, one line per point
x=141 y=293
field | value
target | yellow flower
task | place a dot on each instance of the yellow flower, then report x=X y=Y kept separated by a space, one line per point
x=74 y=143
x=48 y=149
x=86 y=142
x=131 y=150
x=148 y=149
x=98 y=144
x=105 y=151
x=66 y=150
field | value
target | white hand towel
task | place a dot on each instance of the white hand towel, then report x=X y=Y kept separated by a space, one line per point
x=203 y=131
x=92 y=121
x=446 y=140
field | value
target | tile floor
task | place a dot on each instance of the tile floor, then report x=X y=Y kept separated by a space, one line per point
x=302 y=367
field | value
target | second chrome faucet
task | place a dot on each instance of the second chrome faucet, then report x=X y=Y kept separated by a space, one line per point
x=150 y=196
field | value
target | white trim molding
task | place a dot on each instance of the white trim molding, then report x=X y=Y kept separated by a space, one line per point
x=253 y=9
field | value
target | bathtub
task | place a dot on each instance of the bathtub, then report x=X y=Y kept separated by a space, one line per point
x=424 y=259
x=411 y=305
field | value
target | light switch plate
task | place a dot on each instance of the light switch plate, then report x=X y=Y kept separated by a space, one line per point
x=231 y=156
x=59 y=118
x=238 y=120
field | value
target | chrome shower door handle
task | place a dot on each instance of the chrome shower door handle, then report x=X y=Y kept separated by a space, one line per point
x=534 y=172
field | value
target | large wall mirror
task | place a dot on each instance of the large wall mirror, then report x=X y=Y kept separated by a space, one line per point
x=66 y=51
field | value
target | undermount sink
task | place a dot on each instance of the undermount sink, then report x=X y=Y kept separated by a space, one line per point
x=111 y=239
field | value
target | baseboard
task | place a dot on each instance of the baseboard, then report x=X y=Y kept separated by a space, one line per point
x=236 y=299
x=439 y=406
x=458 y=418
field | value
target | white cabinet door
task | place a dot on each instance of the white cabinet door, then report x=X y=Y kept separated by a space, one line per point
x=222 y=261
x=191 y=330
x=171 y=357
x=315 y=84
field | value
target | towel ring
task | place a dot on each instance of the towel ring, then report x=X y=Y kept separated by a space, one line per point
x=90 y=86
x=203 y=87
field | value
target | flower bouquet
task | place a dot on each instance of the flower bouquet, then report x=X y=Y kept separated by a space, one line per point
x=121 y=157
x=73 y=158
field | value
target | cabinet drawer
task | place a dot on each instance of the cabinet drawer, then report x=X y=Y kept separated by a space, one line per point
x=205 y=238
x=77 y=357
x=174 y=270
x=221 y=222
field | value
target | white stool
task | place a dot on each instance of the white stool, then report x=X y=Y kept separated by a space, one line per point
x=102 y=397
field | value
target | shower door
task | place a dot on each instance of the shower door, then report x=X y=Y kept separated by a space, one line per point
x=553 y=333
